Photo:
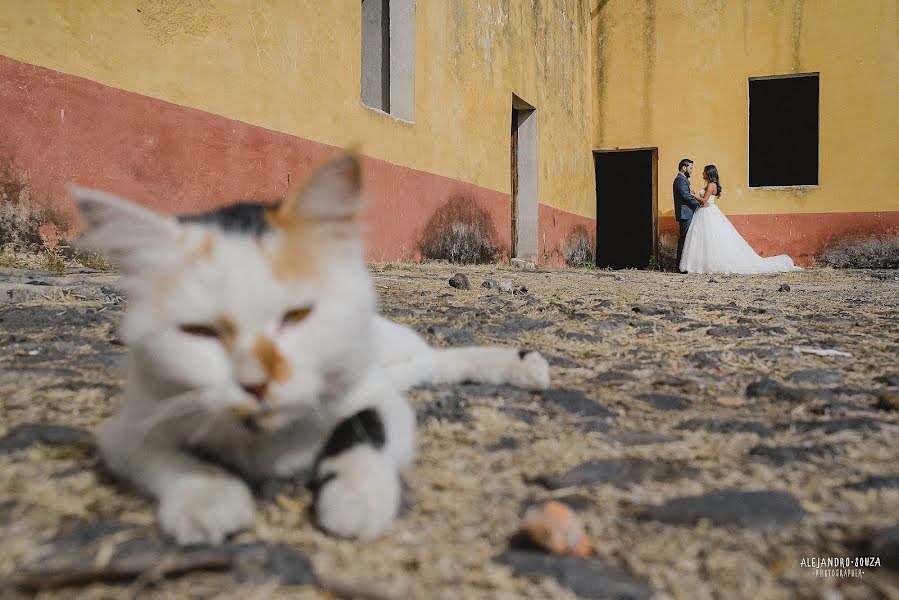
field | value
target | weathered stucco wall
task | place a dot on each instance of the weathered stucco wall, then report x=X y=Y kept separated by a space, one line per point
x=294 y=68
x=674 y=75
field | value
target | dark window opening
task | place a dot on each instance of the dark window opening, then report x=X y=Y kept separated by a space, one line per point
x=783 y=131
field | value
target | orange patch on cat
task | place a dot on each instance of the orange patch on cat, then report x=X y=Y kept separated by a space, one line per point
x=272 y=361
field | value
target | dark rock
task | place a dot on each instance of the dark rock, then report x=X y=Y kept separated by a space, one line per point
x=72 y=564
x=453 y=335
x=460 y=282
x=754 y=509
x=768 y=388
x=259 y=562
x=725 y=426
x=29 y=434
x=832 y=426
x=614 y=377
x=619 y=472
x=665 y=401
x=651 y=310
x=576 y=403
x=730 y=331
x=37 y=282
x=815 y=377
x=891 y=379
x=875 y=482
x=580 y=337
x=86 y=533
x=520 y=323
x=706 y=359
x=505 y=443
x=586 y=578
x=49 y=318
x=784 y=287
x=490 y=284
x=593 y=426
x=885 y=544
x=780 y=455
x=561 y=361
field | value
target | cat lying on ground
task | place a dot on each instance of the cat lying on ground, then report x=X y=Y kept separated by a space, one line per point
x=254 y=340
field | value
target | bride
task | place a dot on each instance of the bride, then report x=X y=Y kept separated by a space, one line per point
x=713 y=245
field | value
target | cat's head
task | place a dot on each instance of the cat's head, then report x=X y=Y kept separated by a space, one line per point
x=270 y=303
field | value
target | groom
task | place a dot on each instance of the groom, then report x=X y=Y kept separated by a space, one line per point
x=685 y=203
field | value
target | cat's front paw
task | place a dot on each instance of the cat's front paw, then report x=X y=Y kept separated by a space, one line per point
x=533 y=371
x=360 y=494
x=204 y=510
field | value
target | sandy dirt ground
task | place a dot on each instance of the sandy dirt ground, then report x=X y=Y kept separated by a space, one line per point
x=705 y=454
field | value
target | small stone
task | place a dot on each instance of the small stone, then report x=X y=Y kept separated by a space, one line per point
x=576 y=402
x=506 y=286
x=888 y=400
x=731 y=401
x=490 y=284
x=29 y=434
x=724 y=426
x=520 y=263
x=730 y=331
x=586 y=578
x=665 y=401
x=784 y=287
x=780 y=455
x=753 y=509
x=816 y=377
x=453 y=335
x=619 y=472
x=460 y=281
x=555 y=527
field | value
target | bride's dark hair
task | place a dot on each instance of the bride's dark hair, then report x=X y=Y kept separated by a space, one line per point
x=711 y=171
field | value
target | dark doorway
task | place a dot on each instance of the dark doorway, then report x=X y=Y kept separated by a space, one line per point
x=625 y=209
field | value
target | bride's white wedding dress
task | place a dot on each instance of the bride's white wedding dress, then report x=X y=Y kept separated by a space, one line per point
x=713 y=245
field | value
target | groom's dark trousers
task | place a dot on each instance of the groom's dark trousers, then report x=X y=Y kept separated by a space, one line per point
x=684 y=205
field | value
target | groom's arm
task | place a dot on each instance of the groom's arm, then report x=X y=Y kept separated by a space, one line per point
x=683 y=190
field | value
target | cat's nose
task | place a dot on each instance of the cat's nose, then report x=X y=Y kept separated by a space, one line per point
x=257 y=389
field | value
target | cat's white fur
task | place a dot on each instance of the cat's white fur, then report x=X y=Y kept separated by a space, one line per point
x=186 y=391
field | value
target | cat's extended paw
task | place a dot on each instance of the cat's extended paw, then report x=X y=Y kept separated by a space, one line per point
x=360 y=494
x=533 y=371
x=204 y=510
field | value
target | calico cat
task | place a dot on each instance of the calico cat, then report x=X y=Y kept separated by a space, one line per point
x=254 y=340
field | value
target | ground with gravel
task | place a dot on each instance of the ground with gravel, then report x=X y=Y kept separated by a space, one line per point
x=703 y=428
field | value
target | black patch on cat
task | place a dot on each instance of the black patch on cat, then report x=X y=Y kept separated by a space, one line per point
x=246 y=218
x=365 y=427
x=523 y=353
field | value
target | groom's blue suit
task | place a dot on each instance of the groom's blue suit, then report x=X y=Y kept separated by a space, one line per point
x=684 y=205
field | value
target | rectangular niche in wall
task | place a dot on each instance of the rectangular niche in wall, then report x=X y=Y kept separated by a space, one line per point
x=388 y=57
x=783 y=131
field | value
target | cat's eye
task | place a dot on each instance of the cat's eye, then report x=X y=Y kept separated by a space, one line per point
x=201 y=331
x=296 y=315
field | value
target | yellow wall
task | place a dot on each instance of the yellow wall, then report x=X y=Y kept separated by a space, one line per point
x=294 y=66
x=674 y=75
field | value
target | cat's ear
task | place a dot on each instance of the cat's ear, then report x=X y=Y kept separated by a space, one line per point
x=332 y=194
x=123 y=231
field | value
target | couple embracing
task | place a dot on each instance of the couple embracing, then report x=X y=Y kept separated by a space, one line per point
x=708 y=242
